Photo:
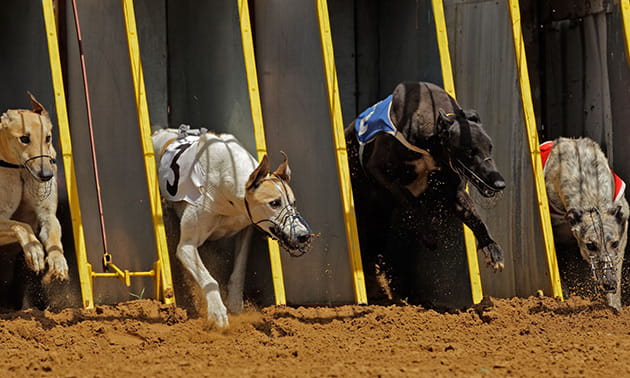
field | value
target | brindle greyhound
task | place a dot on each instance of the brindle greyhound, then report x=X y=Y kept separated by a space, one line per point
x=422 y=130
x=217 y=190
x=587 y=205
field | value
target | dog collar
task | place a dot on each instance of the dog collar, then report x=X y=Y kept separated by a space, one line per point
x=6 y=164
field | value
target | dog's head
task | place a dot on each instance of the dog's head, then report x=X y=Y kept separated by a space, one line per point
x=26 y=140
x=599 y=234
x=469 y=150
x=271 y=206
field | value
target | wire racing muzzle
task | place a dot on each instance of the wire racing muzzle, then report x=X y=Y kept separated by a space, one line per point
x=602 y=271
x=603 y=264
x=287 y=240
x=36 y=167
x=483 y=187
x=289 y=216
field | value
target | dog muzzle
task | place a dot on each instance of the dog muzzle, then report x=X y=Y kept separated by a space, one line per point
x=483 y=187
x=602 y=273
x=296 y=245
x=38 y=168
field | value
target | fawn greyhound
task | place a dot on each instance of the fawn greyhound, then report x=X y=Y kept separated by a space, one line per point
x=28 y=189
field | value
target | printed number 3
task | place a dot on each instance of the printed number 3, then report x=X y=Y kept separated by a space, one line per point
x=172 y=188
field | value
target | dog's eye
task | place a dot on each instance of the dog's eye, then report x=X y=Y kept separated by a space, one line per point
x=591 y=246
x=48 y=138
x=614 y=244
x=25 y=139
x=275 y=204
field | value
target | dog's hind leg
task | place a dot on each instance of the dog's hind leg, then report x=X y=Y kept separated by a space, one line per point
x=237 y=278
x=14 y=231
x=191 y=237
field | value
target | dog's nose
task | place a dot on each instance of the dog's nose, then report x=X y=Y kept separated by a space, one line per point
x=304 y=238
x=45 y=176
x=609 y=285
x=499 y=184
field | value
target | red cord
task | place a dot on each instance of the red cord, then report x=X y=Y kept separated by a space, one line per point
x=90 y=127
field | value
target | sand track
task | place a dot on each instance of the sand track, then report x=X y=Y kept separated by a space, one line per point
x=515 y=337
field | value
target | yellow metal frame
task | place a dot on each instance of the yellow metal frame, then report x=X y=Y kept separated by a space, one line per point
x=161 y=269
x=625 y=16
x=259 y=135
x=449 y=86
x=343 y=170
x=534 y=150
x=65 y=142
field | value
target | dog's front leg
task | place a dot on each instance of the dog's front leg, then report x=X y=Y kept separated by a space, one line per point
x=237 y=278
x=614 y=299
x=13 y=231
x=50 y=235
x=465 y=210
x=192 y=236
x=188 y=254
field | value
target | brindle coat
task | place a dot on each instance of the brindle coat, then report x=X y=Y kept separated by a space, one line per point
x=388 y=175
x=580 y=184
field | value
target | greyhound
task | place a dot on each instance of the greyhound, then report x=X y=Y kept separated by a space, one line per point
x=28 y=189
x=587 y=205
x=217 y=190
x=418 y=132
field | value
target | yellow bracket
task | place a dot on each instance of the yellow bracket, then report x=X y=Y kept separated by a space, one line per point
x=259 y=135
x=334 y=104
x=123 y=275
x=534 y=151
x=449 y=86
x=625 y=16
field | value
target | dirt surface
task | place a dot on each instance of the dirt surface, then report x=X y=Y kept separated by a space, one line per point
x=515 y=337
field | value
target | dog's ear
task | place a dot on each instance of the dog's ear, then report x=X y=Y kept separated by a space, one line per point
x=574 y=216
x=259 y=174
x=443 y=123
x=4 y=119
x=283 y=171
x=618 y=213
x=37 y=107
x=472 y=115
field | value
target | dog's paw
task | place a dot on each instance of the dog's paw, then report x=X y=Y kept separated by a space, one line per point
x=614 y=301
x=493 y=256
x=34 y=256
x=217 y=311
x=57 y=267
x=235 y=303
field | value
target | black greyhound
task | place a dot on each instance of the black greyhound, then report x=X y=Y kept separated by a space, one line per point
x=396 y=144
